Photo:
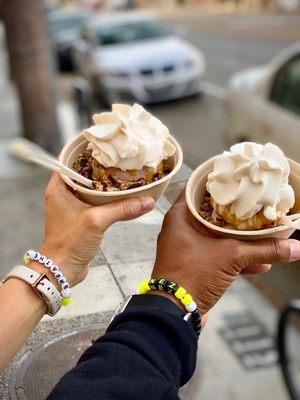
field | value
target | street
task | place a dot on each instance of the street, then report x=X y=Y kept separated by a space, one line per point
x=231 y=42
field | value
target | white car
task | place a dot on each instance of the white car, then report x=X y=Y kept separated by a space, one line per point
x=265 y=103
x=136 y=57
x=278 y=81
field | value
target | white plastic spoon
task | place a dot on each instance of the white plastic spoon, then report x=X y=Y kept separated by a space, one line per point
x=28 y=151
x=292 y=220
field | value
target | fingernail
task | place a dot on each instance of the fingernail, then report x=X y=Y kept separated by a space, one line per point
x=295 y=250
x=147 y=203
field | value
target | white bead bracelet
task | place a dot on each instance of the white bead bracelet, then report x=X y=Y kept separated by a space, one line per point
x=32 y=255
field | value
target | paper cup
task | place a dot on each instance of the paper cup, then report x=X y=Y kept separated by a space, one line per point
x=196 y=189
x=78 y=145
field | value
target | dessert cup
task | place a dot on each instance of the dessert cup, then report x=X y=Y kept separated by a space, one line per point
x=78 y=145
x=196 y=190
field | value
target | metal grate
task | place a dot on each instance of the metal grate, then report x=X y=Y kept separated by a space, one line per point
x=41 y=370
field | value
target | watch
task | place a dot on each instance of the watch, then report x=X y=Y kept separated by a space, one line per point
x=40 y=285
x=158 y=302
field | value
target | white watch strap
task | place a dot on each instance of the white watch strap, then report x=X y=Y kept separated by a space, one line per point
x=40 y=284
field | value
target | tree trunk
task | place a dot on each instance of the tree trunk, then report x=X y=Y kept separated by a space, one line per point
x=31 y=69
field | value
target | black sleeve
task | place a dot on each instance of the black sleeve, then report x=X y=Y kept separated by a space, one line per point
x=145 y=354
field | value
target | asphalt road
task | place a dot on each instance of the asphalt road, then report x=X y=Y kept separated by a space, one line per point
x=229 y=43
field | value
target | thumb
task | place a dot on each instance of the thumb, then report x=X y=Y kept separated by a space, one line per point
x=122 y=210
x=269 y=251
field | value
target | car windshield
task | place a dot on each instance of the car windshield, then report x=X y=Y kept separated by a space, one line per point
x=131 y=32
x=61 y=24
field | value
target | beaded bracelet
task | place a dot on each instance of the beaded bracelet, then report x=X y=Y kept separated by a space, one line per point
x=179 y=292
x=32 y=255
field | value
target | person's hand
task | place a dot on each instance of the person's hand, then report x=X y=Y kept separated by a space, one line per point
x=206 y=265
x=74 y=230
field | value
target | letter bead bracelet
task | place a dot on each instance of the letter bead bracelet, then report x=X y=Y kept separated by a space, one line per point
x=32 y=255
x=179 y=292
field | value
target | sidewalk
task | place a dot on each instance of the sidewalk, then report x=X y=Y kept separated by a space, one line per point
x=236 y=357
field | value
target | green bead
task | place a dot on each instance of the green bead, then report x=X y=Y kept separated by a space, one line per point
x=186 y=299
x=66 y=301
x=180 y=292
x=26 y=260
x=144 y=287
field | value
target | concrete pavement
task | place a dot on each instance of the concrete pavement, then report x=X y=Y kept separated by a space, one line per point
x=237 y=340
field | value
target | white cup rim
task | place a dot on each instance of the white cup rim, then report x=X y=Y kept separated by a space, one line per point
x=178 y=154
x=212 y=227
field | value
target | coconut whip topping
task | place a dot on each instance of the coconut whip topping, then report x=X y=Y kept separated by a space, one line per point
x=252 y=177
x=128 y=138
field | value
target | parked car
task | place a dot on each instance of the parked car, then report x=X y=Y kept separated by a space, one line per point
x=265 y=103
x=65 y=29
x=278 y=81
x=135 y=56
x=121 y=4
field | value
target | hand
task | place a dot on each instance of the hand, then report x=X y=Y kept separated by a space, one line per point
x=74 y=230
x=206 y=265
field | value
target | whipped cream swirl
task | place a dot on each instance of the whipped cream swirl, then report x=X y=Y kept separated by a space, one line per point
x=252 y=177
x=128 y=138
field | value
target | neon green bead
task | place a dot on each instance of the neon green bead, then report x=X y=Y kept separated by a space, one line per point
x=66 y=301
x=144 y=287
x=180 y=292
x=186 y=299
x=26 y=260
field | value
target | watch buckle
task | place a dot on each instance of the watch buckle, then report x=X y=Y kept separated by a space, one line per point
x=36 y=283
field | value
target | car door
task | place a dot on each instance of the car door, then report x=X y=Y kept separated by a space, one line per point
x=256 y=119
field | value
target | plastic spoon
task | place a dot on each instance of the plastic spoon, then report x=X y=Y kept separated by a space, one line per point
x=28 y=151
x=292 y=220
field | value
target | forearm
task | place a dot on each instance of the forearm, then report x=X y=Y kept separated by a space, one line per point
x=145 y=354
x=20 y=311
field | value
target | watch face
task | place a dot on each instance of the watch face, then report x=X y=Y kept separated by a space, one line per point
x=121 y=307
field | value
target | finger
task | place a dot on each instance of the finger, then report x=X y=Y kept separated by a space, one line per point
x=268 y=251
x=55 y=179
x=122 y=210
x=257 y=269
x=58 y=188
x=57 y=183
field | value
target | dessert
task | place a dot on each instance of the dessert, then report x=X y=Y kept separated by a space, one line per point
x=248 y=188
x=128 y=147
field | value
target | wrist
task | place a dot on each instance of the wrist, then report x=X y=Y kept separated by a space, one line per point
x=41 y=269
x=59 y=258
x=168 y=296
x=181 y=280
x=21 y=287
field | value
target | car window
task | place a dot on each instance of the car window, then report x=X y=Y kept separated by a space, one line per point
x=66 y=23
x=286 y=87
x=130 y=32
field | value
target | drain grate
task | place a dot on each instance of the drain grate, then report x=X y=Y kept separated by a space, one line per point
x=249 y=340
x=40 y=370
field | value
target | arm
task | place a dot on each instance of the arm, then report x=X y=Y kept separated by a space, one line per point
x=20 y=308
x=16 y=326
x=149 y=354
x=146 y=354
